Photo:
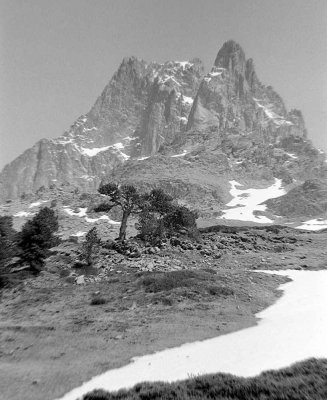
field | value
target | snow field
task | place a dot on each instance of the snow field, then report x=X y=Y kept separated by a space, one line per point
x=246 y=202
x=291 y=330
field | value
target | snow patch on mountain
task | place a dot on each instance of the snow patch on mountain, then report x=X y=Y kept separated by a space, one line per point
x=313 y=225
x=275 y=118
x=117 y=147
x=246 y=202
x=88 y=177
x=37 y=203
x=23 y=214
x=94 y=151
x=180 y=155
x=103 y=217
x=182 y=119
x=184 y=64
x=292 y=155
x=79 y=234
x=80 y=213
x=187 y=100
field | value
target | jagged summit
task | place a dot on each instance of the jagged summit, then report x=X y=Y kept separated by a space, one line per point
x=223 y=123
x=232 y=57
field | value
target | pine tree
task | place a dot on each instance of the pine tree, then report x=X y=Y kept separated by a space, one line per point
x=90 y=245
x=125 y=197
x=37 y=237
x=8 y=247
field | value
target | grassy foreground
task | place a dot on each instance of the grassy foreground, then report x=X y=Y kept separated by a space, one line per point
x=306 y=380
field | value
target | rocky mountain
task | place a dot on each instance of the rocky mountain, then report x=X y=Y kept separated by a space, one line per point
x=173 y=125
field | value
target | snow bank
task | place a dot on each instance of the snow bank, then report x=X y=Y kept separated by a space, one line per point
x=38 y=203
x=246 y=201
x=23 y=214
x=292 y=155
x=275 y=118
x=187 y=100
x=183 y=119
x=78 y=234
x=291 y=330
x=180 y=155
x=313 y=225
x=87 y=219
x=184 y=64
x=81 y=213
x=93 y=152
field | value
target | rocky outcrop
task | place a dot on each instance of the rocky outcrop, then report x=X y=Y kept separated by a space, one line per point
x=223 y=123
x=308 y=199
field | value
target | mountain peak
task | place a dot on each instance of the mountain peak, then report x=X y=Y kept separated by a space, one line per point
x=231 y=56
x=175 y=110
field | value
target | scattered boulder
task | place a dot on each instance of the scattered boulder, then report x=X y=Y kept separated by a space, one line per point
x=80 y=280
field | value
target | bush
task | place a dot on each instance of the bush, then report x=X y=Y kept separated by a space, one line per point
x=161 y=216
x=165 y=281
x=151 y=228
x=180 y=217
x=96 y=301
x=220 y=291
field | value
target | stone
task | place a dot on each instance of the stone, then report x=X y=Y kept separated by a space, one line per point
x=80 y=280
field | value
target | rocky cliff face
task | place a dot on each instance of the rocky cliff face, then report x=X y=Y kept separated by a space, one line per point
x=223 y=123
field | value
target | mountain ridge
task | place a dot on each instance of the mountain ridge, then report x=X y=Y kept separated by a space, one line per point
x=225 y=121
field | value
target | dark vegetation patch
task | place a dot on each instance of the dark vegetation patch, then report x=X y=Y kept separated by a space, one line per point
x=302 y=381
x=165 y=281
x=186 y=284
x=96 y=301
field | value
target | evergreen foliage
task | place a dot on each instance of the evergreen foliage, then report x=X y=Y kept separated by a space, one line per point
x=37 y=237
x=162 y=216
x=8 y=246
x=180 y=217
x=90 y=246
x=151 y=225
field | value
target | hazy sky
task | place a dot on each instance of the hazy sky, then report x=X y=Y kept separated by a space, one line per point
x=57 y=55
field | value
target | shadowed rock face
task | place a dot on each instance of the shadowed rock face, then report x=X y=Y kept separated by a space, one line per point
x=225 y=117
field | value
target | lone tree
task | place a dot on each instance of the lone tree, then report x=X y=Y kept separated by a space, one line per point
x=90 y=245
x=37 y=237
x=126 y=197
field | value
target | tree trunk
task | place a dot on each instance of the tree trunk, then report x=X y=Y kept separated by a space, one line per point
x=123 y=226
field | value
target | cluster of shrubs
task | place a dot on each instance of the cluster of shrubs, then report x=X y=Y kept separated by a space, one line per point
x=158 y=214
